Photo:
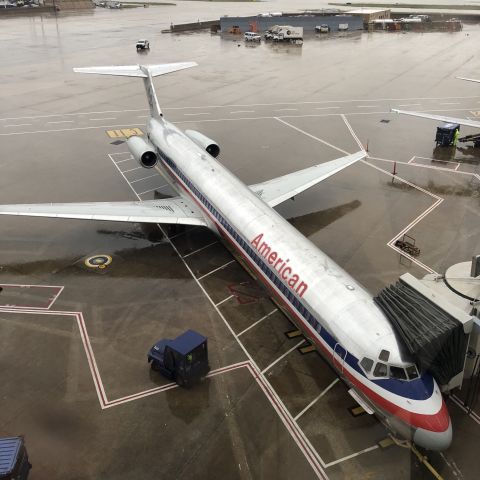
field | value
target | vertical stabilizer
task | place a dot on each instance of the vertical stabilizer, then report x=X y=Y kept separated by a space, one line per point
x=147 y=72
x=155 y=110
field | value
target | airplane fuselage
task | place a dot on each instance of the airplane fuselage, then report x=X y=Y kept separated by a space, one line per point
x=335 y=312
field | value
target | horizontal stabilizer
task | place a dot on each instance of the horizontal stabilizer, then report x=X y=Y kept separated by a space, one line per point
x=170 y=211
x=137 y=70
x=278 y=190
x=440 y=118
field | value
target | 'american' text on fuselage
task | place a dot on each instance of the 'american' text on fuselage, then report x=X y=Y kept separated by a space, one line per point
x=280 y=265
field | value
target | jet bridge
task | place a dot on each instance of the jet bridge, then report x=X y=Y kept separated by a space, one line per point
x=435 y=331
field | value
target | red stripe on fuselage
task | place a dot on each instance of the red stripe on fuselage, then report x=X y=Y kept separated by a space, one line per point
x=437 y=422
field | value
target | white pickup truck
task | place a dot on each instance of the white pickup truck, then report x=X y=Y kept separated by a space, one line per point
x=143 y=45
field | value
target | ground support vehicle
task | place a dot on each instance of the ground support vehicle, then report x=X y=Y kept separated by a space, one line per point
x=322 y=28
x=446 y=134
x=14 y=464
x=183 y=360
x=285 y=33
x=143 y=45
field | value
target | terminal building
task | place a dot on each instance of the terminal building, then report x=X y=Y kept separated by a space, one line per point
x=263 y=22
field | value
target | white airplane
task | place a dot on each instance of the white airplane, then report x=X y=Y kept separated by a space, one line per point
x=336 y=313
x=443 y=118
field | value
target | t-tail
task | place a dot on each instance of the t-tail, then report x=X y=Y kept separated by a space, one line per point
x=147 y=72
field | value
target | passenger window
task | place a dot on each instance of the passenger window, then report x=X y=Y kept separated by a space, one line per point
x=367 y=364
x=380 y=370
x=412 y=372
x=398 y=372
x=384 y=354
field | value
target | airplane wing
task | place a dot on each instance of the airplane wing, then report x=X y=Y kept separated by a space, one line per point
x=171 y=211
x=440 y=118
x=469 y=79
x=275 y=191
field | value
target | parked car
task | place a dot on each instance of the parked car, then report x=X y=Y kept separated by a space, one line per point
x=252 y=37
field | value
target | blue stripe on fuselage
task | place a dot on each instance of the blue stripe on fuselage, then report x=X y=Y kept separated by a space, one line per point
x=418 y=389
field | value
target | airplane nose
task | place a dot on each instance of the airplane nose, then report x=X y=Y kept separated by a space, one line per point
x=433 y=440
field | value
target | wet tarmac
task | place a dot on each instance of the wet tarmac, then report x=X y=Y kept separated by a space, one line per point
x=73 y=339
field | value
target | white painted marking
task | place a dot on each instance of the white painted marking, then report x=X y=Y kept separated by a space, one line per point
x=391 y=243
x=224 y=300
x=126 y=160
x=195 y=114
x=286 y=110
x=152 y=189
x=243 y=111
x=132 y=169
x=257 y=322
x=449 y=103
x=63 y=121
x=353 y=455
x=317 y=398
x=410 y=105
x=187 y=230
x=143 y=116
x=311 y=136
x=283 y=356
x=144 y=178
x=354 y=135
x=325 y=108
x=200 y=249
x=100 y=119
x=18 y=125
x=367 y=106
x=215 y=270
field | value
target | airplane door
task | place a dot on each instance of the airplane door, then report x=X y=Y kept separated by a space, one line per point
x=339 y=354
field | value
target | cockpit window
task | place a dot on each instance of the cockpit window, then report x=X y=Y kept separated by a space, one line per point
x=384 y=354
x=367 y=364
x=412 y=372
x=380 y=370
x=397 y=372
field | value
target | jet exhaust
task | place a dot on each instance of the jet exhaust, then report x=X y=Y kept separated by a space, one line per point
x=142 y=151
x=206 y=143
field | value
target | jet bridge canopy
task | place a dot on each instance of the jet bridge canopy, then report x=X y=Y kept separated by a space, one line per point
x=434 y=331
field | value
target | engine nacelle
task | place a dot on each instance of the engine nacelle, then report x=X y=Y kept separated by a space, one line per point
x=206 y=143
x=142 y=151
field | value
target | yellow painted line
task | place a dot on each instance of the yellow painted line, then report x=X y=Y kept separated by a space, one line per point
x=124 y=133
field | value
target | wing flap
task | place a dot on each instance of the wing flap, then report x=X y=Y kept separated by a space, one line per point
x=275 y=191
x=440 y=118
x=169 y=211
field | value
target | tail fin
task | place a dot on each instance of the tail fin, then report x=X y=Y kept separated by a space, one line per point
x=147 y=72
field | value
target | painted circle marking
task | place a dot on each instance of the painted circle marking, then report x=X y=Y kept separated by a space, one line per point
x=98 y=261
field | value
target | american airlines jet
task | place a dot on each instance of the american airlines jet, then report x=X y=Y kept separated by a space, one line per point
x=336 y=313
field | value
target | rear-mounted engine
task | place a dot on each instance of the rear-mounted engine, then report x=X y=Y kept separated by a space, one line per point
x=142 y=151
x=202 y=141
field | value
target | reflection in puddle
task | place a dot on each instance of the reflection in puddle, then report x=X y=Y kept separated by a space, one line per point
x=313 y=222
